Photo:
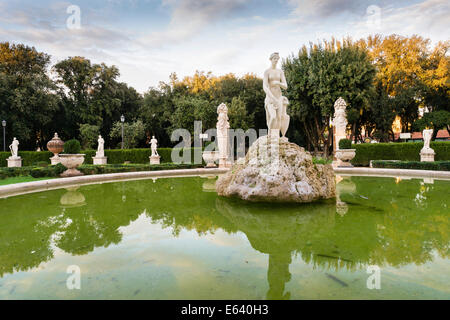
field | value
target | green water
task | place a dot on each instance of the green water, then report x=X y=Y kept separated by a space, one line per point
x=176 y=239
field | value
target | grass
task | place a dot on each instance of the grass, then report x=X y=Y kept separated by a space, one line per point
x=21 y=179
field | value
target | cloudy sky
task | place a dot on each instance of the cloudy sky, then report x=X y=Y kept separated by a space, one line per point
x=149 y=39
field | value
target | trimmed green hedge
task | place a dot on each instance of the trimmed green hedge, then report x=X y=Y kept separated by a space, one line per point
x=115 y=156
x=408 y=151
x=436 y=165
x=88 y=169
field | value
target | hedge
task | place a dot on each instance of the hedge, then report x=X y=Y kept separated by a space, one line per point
x=436 y=165
x=115 y=156
x=88 y=169
x=407 y=151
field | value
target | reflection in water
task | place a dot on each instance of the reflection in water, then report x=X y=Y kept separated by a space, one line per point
x=378 y=221
x=72 y=198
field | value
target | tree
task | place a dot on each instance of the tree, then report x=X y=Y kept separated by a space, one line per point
x=189 y=109
x=27 y=95
x=238 y=115
x=89 y=135
x=134 y=133
x=436 y=120
x=411 y=73
x=317 y=76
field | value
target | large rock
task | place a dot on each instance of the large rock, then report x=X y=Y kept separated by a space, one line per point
x=278 y=171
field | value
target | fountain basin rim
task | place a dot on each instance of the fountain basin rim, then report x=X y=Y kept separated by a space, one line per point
x=51 y=184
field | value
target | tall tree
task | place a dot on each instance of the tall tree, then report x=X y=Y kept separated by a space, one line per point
x=27 y=95
x=317 y=76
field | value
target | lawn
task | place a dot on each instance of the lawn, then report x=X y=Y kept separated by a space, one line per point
x=21 y=179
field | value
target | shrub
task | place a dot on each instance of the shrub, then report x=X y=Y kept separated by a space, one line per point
x=345 y=144
x=408 y=151
x=436 y=165
x=72 y=147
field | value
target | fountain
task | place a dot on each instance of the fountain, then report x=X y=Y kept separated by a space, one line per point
x=275 y=169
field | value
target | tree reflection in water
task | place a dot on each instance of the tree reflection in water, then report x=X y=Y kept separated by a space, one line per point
x=386 y=222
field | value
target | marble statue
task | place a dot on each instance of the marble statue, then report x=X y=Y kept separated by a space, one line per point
x=274 y=169
x=340 y=121
x=14 y=147
x=427 y=154
x=275 y=103
x=100 y=158
x=222 y=127
x=101 y=147
x=154 y=144
x=154 y=158
x=14 y=160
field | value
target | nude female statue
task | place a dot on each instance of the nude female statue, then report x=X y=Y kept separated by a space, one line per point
x=275 y=104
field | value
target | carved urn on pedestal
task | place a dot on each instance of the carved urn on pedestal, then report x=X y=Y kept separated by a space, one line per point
x=55 y=146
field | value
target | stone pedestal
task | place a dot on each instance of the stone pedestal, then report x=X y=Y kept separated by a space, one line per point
x=225 y=163
x=99 y=160
x=155 y=159
x=55 y=160
x=14 y=162
x=427 y=155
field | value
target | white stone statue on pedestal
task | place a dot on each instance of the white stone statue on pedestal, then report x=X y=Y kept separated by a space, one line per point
x=154 y=158
x=340 y=121
x=222 y=127
x=14 y=160
x=275 y=103
x=343 y=156
x=100 y=154
x=14 y=147
x=427 y=154
x=101 y=147
x=154 y=144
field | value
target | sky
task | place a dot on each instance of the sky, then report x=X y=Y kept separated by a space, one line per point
x=149 y=39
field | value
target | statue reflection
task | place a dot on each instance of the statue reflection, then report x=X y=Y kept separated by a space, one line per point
x=343 y=185
x=278 y=235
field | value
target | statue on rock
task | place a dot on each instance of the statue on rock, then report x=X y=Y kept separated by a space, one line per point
x=275 y=170
x=275 y=103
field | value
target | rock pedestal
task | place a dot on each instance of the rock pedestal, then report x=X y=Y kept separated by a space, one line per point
x=155 y=159
x=99 y=160
x=278 y=171
x=14 y=162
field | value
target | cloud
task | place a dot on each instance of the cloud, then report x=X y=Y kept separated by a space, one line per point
x=318 y=9
x=428 y=19
x=191 y=17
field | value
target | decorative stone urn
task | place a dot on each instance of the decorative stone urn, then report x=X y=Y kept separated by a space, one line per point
x=344 y=157
x=55 y=146
x=210 y=158
x=71 y=162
